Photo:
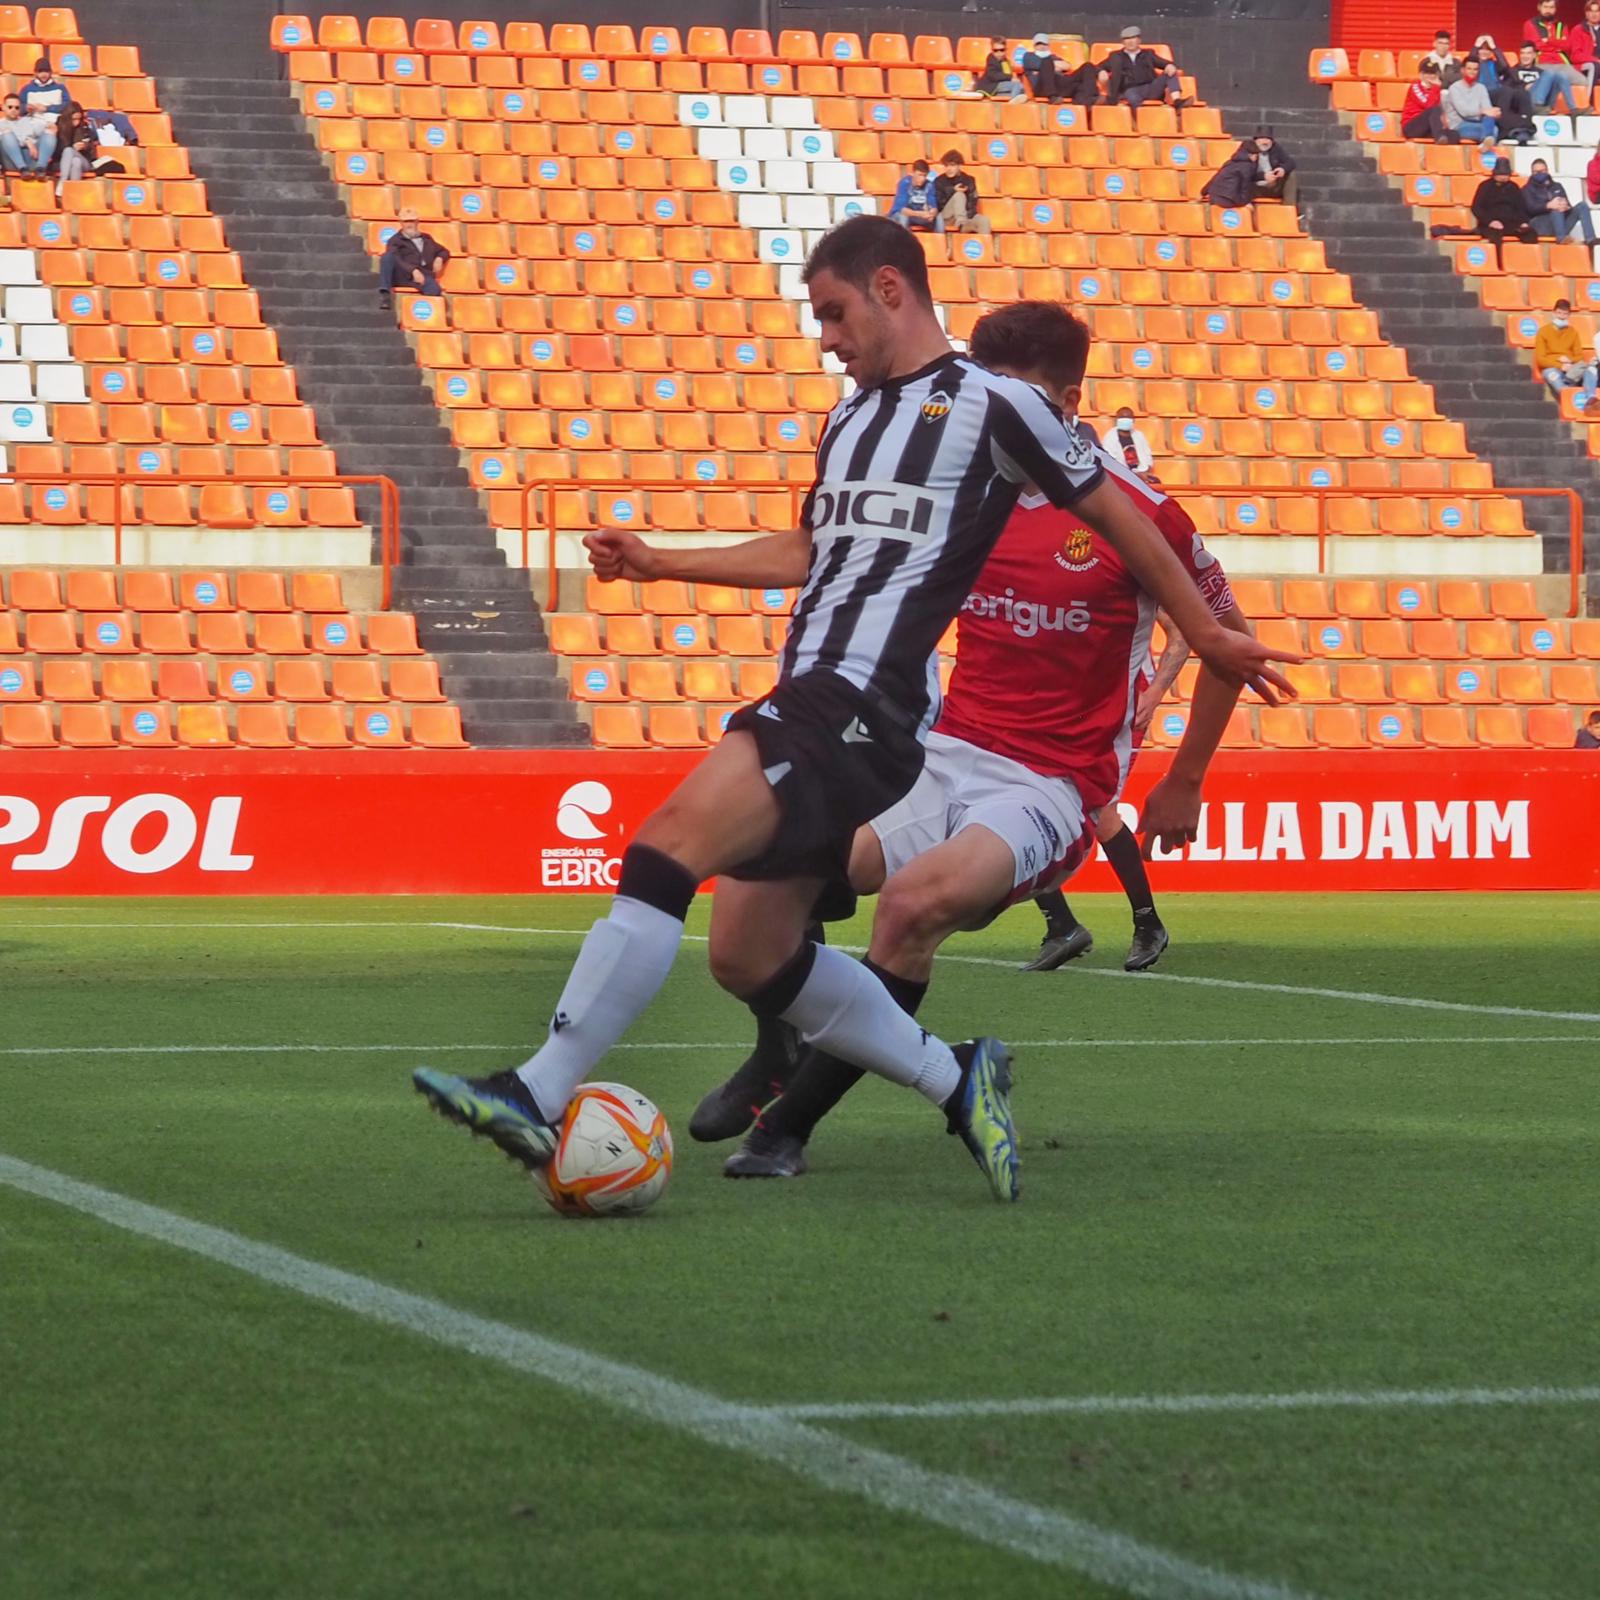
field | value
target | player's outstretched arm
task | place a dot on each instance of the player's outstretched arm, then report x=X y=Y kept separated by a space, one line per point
x=1237 y=657
x=1171 y=813
x=777 y=561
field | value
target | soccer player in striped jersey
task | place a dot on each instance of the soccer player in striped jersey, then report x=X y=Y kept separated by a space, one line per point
x=1035 y=739
x=917 y=472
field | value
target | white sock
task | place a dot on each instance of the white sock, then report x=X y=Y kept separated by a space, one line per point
x=843 y=1009
x=623 y=963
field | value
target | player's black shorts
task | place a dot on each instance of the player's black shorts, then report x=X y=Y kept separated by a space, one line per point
x=835 y=759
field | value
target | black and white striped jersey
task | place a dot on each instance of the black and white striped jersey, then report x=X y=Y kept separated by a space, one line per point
x=915 y=480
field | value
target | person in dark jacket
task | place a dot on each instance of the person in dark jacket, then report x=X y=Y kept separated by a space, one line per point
x=955 y=198
x=1589 y=734
x=1233 y=184
x=1550 y=208
x=1499 y=212
x=1271 y=164
x=1134 y=74
x=411 y=260
x=998 y=80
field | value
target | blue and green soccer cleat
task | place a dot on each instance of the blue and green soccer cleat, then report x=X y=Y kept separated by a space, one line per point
x=499 y=1108
x=980 y=1112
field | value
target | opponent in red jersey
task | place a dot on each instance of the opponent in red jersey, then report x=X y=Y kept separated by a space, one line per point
x=1035 y=735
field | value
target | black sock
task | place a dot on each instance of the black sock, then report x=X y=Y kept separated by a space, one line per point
x=1058 y=917
x=1123 y=853
x=821 y=1081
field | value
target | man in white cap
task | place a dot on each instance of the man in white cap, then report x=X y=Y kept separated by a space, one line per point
x=1134 y=75
x=1049 y=78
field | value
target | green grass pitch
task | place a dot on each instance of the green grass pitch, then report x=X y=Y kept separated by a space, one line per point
x=1266 y=1189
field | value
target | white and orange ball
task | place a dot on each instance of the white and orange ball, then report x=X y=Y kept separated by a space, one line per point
x=615 y=1154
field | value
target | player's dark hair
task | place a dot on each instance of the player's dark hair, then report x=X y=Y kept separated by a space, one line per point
x=1034 y=336
x=858 y=247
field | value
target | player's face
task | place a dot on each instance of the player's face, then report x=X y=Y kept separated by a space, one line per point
x=856 y=327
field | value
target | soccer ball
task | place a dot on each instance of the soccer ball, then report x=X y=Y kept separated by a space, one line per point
x=615 y=1154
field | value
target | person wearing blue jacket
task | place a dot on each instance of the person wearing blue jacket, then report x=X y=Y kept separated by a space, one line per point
x=912 y=206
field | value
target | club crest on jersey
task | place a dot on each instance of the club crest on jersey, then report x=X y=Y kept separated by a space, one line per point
x=1077 y=552
x=936 y=406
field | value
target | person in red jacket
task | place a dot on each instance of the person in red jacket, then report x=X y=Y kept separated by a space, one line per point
x=1549 y=37
x=1422 y=117
x=1583 y=43
x=1591 y=178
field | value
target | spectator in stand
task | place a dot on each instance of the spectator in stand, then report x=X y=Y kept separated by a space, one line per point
x=1443 y=59
x=1040 y=66
x=1422 y=117
x=1589 y=734
x=1550 y=38
x=27 y=144
x=1498 y=211
x=41 y=95
x=1270 y=164
x=1085 y=431
x=1558 y=354
x=1494 y=71
x=78 y=150
x=1134 y=74
x=912 y=206
x=1542 y=85
x=998 y=80
x=1126 y=443
x=412 y=259
x=1233 y=183
x=1550 y=208
x=955 y=198
x=1469 y=113
x=1583 y=44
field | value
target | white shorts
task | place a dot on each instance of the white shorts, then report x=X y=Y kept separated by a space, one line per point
x=1042 y=819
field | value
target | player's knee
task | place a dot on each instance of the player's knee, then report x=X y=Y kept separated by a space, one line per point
x=742 y=965
x=915 y=911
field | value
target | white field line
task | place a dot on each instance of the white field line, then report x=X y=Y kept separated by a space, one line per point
x=1183 y=1404
x=1247 y=985
x=743 y=1044
x=837 y=1464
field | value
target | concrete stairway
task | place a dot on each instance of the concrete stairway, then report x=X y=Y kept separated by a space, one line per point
x=1453 y=343
x=282 y=213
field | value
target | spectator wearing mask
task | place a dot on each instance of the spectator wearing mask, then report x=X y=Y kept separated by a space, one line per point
x=1125 y=443
x=412 y=259
x=27 y=144
x=1422 y=117
x=1543 y=86
x=1134 y=75
x=955 y=198
x=1589 y=734
x=1550 y=208
x=1443 y=59
x=912 y=206
x=41 y=95
x=1469 y=113
x=1498 y=211
x=1549 y=37
x=1271 y=164
x=1039 y=67
x=1583 y=44
x=998 y=80
x=1558 y=354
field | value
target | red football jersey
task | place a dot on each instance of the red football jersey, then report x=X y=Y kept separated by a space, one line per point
x=1054 y=641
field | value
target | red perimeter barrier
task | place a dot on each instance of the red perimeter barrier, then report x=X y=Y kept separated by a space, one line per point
x=510 y=822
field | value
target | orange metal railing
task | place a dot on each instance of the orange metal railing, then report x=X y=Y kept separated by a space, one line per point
x=388 y=500
x=548 y=488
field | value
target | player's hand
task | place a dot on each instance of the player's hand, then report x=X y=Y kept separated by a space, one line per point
x=615 y=554
x=1170 y=816
x=1146 y=708
x=1242 y=658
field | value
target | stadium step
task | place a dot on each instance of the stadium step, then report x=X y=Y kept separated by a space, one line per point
x=1454 y=344
x=317 y=285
